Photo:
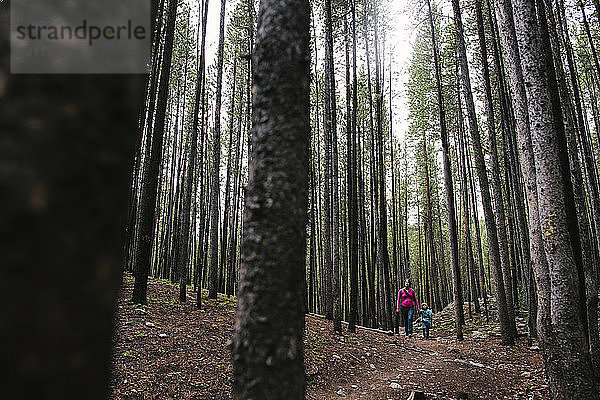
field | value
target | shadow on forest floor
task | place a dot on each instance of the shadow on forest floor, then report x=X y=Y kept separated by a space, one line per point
x=169 y=350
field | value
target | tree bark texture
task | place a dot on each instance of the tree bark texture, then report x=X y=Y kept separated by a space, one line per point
x=268 y=339
x=588 y=283
x=508 y=38
x=567 y=358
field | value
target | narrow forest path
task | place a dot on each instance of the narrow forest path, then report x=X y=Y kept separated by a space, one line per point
x=383 y=367
x=169 y=350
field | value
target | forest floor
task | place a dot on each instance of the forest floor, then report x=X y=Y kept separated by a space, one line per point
x=170 y=350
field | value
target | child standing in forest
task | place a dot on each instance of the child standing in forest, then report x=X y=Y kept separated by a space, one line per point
x=426 y=318
x=407 y=300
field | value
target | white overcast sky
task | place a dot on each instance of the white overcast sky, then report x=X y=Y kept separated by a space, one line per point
x=404 y=17
x=400 y=43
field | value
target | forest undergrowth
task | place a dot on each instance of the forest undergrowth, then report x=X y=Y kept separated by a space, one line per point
x=170 y=350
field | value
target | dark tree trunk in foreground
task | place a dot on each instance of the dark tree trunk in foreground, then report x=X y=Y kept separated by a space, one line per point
x=147 y=205
x=449 y=186
x=268 y=340
x=566 y=355
x=216 y=159
x=66 y=155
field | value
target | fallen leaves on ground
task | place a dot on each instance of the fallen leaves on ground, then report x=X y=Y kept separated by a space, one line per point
x=171 y=350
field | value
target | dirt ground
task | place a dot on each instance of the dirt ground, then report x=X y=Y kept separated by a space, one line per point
x=170 y=350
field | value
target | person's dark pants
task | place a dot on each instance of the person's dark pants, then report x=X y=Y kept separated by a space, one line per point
x=426 y=326
x=407 y=313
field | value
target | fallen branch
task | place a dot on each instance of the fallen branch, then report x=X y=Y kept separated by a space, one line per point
x=389 y=333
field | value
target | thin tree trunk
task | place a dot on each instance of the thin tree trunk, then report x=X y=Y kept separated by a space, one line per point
x=495 y=169
x=335 y=208
x=330 y=127
x=145 y=127
x=352 y=184
x=199 y=96
x=506 y=324
x=462 y=154
x=448 y=184
x=372 y=256
x=232 y=242
x=184 y=257
x=227 y=210
x=588 y=34
x=382 y=248
x=216 y=160
x=147 y=207
x=589 y=292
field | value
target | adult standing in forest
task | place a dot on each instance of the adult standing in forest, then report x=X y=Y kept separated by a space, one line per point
x=407 y=300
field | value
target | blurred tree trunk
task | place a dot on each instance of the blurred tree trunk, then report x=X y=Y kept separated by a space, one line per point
x=66 y=156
